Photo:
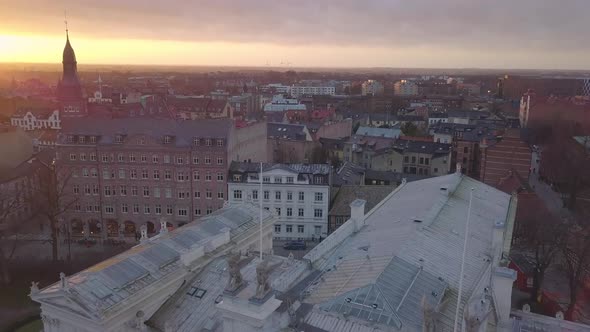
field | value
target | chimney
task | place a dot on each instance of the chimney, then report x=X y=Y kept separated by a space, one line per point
x=502 y=280
x=357 y=213
x=497 y=242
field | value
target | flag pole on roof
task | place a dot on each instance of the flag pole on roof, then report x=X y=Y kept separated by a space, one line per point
x=260 y=208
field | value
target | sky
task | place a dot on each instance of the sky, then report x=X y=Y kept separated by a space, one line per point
x=536 y=34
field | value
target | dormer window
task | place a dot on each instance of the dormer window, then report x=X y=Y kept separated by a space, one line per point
x=219 y=142
x=167 y=139
x=70 y=138
x=196 y=141
x=81 y=139
x=119 y=139
x=208 y=142
x=92 y=139
x=141 y=141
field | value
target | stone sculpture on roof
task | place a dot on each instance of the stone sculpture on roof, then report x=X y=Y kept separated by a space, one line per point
x=235 y=276
x=262 y=272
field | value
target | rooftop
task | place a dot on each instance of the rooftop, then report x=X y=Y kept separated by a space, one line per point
x=348 y=193
x=287 y=131
x=379 y=132
x=422 y=147
x=245 y=167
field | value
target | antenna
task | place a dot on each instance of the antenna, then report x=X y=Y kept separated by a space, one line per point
x=66 y=23
x=260 y=201
x=463 y=261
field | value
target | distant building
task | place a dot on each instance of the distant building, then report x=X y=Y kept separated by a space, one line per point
x=311 y=90
x=288 y=143
x=281 y=104
x=378 y=132
x=405 y=88
x=437 y=117
x=299 y=195
x=372 y=88
x=195 y=108
x=31 y=119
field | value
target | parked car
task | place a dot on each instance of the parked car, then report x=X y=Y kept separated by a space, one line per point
x=295 y=245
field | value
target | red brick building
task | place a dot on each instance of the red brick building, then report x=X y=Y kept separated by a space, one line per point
x=508 y=153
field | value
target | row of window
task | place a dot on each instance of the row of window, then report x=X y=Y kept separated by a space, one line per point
x=421 y=160
x=317 y=213
x=106 y=158
x=109 y=191
x=277 y=179
x=238 y=195
x=147 y=209
x=156 y=174
x=300 y=228
x=142 y=141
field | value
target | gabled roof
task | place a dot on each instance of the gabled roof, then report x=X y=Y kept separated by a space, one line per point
x=422 y=147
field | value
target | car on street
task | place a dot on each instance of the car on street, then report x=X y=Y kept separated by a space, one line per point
x=294 y=245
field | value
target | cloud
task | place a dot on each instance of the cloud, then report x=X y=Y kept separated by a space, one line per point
x=535 y=25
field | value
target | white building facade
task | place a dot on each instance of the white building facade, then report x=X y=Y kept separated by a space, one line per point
x=281 y=104
x=36 y=119
x=307 y=90
x=405 y=88
x=298 y=194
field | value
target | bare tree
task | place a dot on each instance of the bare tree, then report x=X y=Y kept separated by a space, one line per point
x=10 y=226
x=54 y=198
x=576 y=259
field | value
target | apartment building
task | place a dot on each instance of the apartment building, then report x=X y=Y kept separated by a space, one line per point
x=312 y=90
x=299 y=194
x=133 y=172
x=31 y=119
x=405 y=88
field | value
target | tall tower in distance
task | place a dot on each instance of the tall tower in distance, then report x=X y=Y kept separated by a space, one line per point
x=69 y=90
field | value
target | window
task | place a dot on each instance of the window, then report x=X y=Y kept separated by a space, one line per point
x=254 y=194
x=413 y=160
x=156 y=174
x=406 y=159
x=278 y=210
x=237 y=194
x=88 y=208
x=85 y=172
x=179 y=160
x=133 y=174
x=135 y=208
x=169 y=209
x=146 y=191
x=83 y=156
x=266 y=194
x=179 y=176
x=197 y=194
x=143 y=158
x=426 y=161
x=108 y=209
x=77 y=207
x=219 y=142
x=168 y=193
x=146 y=209
x=133 y=191
x=237 y=178
x=76 y=189
x=289 y=228
x=196 y=160
x=208 y=176
x=300 y=228
x=301 y=212
x=108 y=191
x=289 y=212
x=278 y=179
x=92 y=139
x=181 y=194
x=87 y=189
x=157 y=192
x=277 y=228
x=94 y=189
x=318 y=213
x=92 y=156
x=196 y=175
x=124 y=208
x=220 y=195
x=73 y=156
x=196 y=141
x=123 y=190
x=166 y=159
x=167 y=139
x=182 y=212
x=105 y=158
x=289 y=195
x=209 y=210
x=421 y=161
x=120 y=158
x=278 y=195
x=301 y=196
x=131 y=158
x=167 y=174
x=319 y=197
x=266 y=179
x=197 y=212
x=209 y=194
x=144 y=174
x=158 y=209
x=207 y=160
x=208 y=142
x=219 y=161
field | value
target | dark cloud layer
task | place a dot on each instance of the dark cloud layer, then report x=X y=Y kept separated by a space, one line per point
x=517 y=25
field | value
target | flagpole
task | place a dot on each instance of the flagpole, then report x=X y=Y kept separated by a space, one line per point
x=260 y=208
x=463 y=261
